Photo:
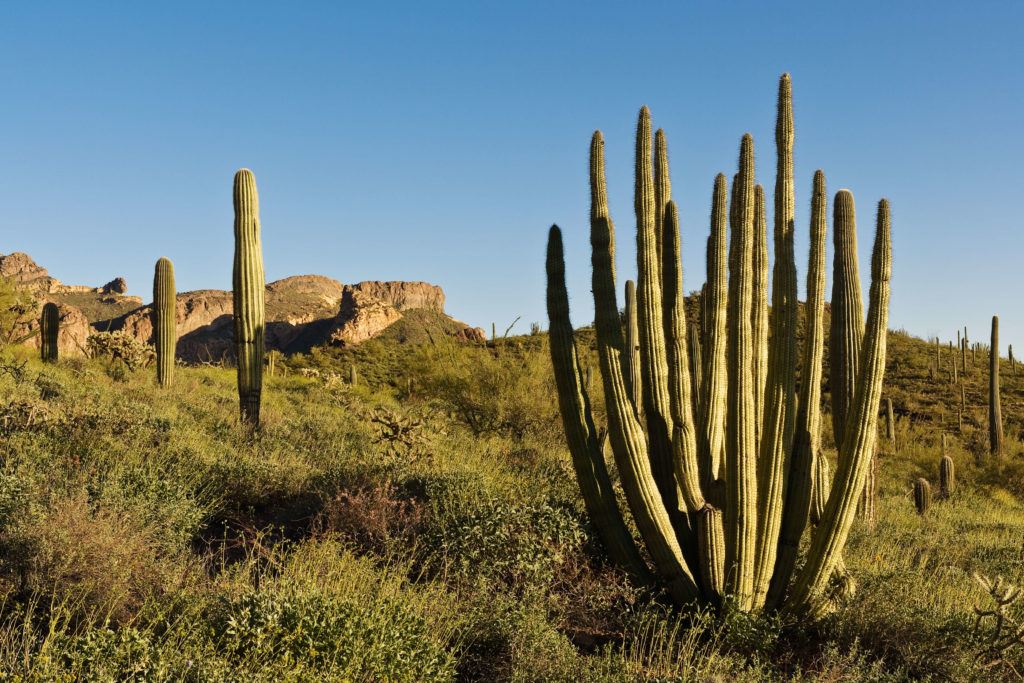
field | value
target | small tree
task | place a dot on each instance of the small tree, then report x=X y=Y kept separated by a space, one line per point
x=16 y=308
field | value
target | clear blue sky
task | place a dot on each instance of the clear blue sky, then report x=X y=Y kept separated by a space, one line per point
x=438 y=141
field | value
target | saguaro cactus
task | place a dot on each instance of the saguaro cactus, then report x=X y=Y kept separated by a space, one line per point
x=995 y=413
x=1013 y=361
x=947 y=476
x=49 y=330
x=248 y=287
x=164 y=321
x=890 y=422
x=756 y=516
x=922 y=495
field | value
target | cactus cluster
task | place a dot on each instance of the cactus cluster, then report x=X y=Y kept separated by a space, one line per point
x=721 y=488
x=248 y=292
x=164 y=321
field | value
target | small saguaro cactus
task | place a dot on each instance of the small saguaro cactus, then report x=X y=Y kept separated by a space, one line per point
x=995 y=413
x=248 y=287
x=164 y=321
x=922 y=495
x=353 y=375
x=1013 y=361
x=49 y=330
x=720 y=498
x=890 y=422
x=947 y=477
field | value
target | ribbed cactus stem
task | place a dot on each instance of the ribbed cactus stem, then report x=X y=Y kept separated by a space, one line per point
x=822 y=487
x=248 y=289
x=714 y=381
x=662 y=191
x=165 y=334
x=625 y=432
x=995 y=412
x=650 y=318
x=952 y=358
x=741 y=447
x=947 y=476
x=759 y=313
x=49 y=331
x=693 y=338
x=711 y=551
x=577 y=418
x=922 y=495
x=858 y=444
x=779 y=417
x=684 y=436
x=807 y=457
x=631 y=357
x=890 y=422
x=847 y=330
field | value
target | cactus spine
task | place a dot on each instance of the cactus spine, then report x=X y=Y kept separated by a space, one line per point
x=995 y=413
x=248 y=289
x=49 y=330
x=922 y=495
x=744 y=519
x=164 y=321
x=947 y=477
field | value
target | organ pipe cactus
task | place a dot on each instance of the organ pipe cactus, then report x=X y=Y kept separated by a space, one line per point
x=922 y=495
x=164 y=321
x=248 y=289
x=731 y=539
x=49 y=330
x=631 y=358
x=947 y=476
x=995 y=413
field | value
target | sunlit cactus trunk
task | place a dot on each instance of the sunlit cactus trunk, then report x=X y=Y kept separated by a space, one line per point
x=995 y=412
x=947 y=477
x=922 y=496
x=165 y=332
x=49 y=331
x=631 y=356
x=248 y=291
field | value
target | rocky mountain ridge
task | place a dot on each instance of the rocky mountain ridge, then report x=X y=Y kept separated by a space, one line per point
x=303 y=311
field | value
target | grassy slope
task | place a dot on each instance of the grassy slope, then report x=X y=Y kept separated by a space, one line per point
x=425 y=525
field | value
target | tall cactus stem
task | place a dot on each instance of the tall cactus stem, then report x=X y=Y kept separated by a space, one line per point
x=165 y=333
x=995 y=413
x=49 y=331
x=248 y=286
x=947 y=477
x=922 y=495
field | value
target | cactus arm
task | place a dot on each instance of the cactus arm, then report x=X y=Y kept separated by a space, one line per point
x=807 y=435
x=580 y=432
x=780 y=394
x=847 y=329
x=711 y=550
x=164 y=322
x=650 y=319
x=631 y=357
x=684 y=437
x=740 y=450
x=714 y=380
x=627 y=438
x=759 y=314
x=662 y=193
x=860 y=435
x=248 y=291
x=696 y=370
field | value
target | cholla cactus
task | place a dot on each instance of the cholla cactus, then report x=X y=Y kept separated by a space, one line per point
x=922 y=495
x=759 y=505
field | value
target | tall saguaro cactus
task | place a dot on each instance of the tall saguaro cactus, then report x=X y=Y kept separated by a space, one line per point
x=248 y=287
x=164 y=321
x=49 y=330
x=995 y=412
x=737 y=541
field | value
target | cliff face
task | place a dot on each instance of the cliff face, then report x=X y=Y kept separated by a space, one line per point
x=303 y=311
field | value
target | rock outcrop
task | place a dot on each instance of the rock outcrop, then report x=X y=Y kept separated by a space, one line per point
x=303 y=311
